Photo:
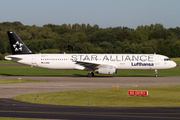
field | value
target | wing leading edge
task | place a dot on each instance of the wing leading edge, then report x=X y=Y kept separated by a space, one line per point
x=92 y=65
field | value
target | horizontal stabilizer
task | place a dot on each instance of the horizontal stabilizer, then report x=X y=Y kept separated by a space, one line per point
x=12 y=58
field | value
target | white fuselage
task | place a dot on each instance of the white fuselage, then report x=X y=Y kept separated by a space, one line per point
x=119 y=61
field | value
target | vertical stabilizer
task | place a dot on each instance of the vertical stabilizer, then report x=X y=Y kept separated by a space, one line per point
x=17 y=45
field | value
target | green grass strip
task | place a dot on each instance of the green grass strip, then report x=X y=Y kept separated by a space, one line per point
x=7 y=62
x=175 y=59
x=166 y=96
x=177 y=62
x=19 y=81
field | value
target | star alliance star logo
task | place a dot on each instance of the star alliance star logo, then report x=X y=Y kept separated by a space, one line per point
x=18 y=46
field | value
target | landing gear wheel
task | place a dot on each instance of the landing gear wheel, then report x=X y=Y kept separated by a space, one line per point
x=90 y=74
x=156 y=72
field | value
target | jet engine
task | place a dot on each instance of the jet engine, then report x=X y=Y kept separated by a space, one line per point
x=106 y=70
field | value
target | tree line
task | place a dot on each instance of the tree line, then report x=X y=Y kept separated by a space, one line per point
x=82 y=38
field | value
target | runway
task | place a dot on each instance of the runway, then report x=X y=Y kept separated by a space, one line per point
x=11 y=108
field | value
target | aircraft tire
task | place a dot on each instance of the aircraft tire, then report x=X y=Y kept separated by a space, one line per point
x=90 y=74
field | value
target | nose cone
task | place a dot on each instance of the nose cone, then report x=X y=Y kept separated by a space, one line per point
x=174 y=64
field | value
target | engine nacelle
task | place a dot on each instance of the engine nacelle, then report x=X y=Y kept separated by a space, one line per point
x=106 y=70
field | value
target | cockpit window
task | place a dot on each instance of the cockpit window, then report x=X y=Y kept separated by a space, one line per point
x=167 y=59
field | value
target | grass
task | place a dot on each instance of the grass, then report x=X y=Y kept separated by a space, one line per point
x=175 y=59
x=19 y=81
x=167 y=96
x=177 y=62
x=33 y=71
x=7 y=62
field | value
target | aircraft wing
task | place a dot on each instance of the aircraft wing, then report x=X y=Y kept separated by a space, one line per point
x=91 y=65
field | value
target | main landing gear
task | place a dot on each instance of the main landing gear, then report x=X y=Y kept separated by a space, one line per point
x=156 y=72
x=91 y=74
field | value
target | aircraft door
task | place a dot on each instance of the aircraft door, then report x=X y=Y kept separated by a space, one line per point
x=34 y=61
x=157 y=61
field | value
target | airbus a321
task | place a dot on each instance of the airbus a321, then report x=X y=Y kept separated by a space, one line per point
x=98 y=63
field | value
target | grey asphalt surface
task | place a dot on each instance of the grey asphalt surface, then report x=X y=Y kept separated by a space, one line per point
x=12 y=108
x=79 y=83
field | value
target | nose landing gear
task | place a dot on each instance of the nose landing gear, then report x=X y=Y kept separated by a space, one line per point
x=156 y=72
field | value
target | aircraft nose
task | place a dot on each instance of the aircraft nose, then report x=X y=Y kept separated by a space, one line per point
x=174 y=64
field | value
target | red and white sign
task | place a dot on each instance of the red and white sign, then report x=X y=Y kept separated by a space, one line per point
x=138 y=92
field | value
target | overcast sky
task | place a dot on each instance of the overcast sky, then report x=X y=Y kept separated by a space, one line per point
x=105 y=13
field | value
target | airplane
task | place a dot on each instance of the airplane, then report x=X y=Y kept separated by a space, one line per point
x=99 y=63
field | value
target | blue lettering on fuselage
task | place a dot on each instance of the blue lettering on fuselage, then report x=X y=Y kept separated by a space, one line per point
x=142 y=64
